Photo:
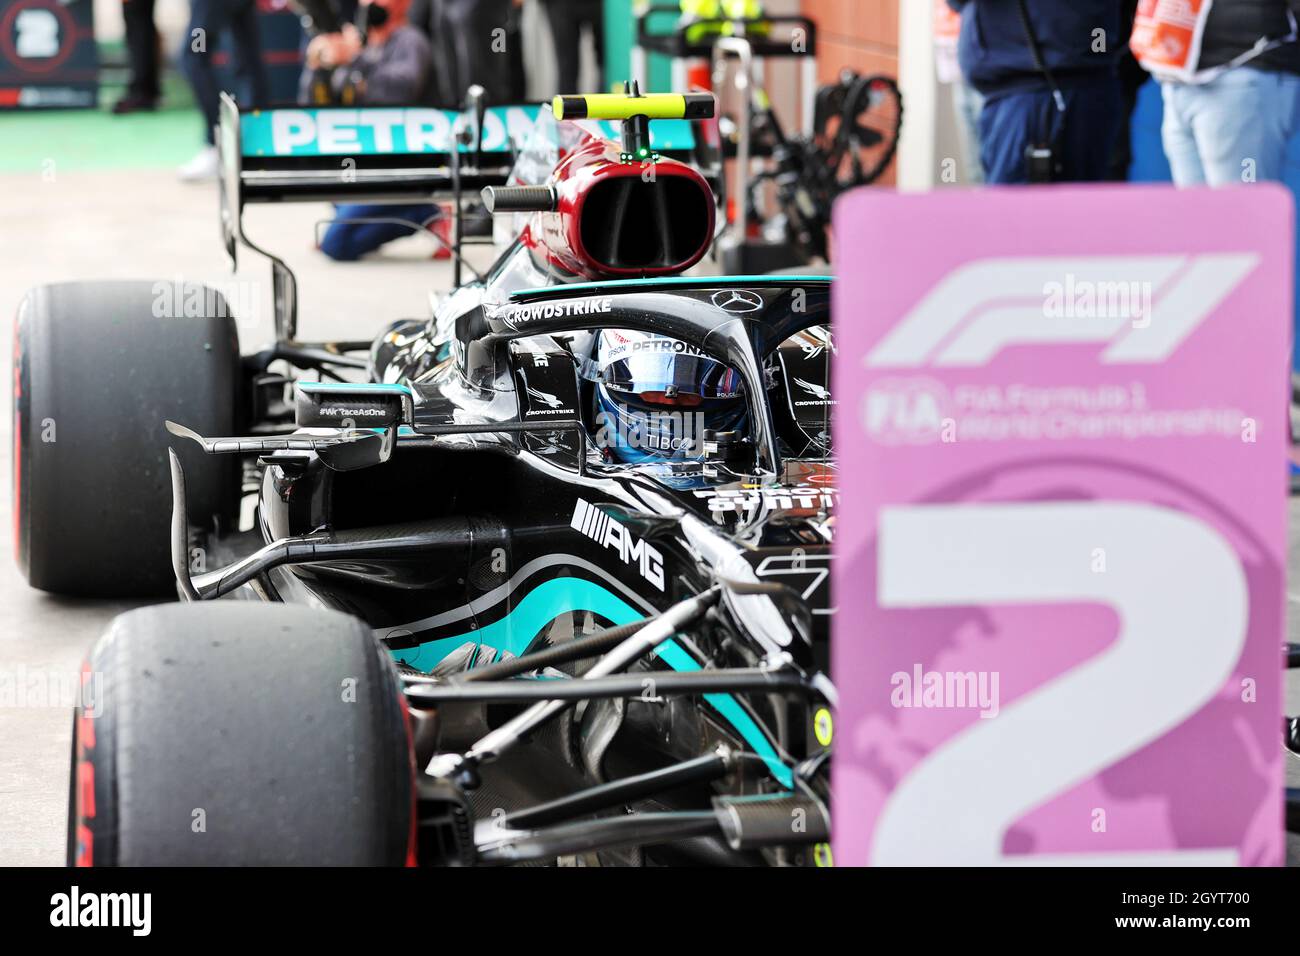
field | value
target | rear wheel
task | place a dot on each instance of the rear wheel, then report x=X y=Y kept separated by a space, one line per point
x=98 y=368
x=236 y=733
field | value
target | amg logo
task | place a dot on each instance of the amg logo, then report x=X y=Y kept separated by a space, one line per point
x=608 y=533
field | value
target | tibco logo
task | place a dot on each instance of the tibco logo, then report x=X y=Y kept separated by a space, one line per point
x=609 y=533
x=982 y=307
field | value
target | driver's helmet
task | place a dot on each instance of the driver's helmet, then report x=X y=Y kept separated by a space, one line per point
x=655 y=397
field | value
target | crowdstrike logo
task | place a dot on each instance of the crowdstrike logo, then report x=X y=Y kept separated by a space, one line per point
x=516 y=316
x=985 y=306
x=554 y=405
x=821 y=394
x=546 y=398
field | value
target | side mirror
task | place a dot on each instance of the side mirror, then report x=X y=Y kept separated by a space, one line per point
x=342 y=405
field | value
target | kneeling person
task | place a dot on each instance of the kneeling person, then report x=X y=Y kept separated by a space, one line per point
x=390 y=66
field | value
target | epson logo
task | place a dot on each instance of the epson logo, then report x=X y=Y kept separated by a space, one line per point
x=609 y=533
x=985 y=306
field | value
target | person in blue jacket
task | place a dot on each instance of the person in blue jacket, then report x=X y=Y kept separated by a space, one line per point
x=1048 y=71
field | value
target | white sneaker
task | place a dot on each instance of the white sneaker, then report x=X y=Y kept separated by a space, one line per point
x=201 y=168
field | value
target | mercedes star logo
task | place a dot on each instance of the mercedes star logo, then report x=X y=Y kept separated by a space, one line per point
x=738 y=301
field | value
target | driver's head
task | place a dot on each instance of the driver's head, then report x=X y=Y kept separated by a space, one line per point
x=656 y=395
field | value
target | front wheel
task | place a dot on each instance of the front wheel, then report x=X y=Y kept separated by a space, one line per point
x=240 y=734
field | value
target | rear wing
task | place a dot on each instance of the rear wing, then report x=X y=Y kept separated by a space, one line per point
x=396 y=154
x=345 y=154
x=373 y=154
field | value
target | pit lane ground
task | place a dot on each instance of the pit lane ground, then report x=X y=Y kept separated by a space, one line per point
x=127 y=222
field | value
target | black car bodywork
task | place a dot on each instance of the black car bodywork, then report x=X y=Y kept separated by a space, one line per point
x=625 y=660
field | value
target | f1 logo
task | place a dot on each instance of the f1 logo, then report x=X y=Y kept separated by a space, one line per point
x=987 y=305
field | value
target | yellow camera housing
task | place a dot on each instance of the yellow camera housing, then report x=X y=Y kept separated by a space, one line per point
x=621 y=106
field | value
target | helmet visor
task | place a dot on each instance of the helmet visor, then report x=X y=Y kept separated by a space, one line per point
x=660 y=370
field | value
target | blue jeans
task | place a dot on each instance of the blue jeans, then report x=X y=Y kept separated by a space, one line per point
x=347 y=241
x=1084 y=136
x=967 y=104
x=212 y=18
x=1233 y=129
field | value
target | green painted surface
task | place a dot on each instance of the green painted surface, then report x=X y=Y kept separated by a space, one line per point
x=96 y=139
x=620 y=32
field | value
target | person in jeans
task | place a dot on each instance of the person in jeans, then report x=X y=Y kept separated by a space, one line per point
x=1235 y=127
x=1079 y=42
x=142 y=90
x=567 y=19
x=392 y=66
x=473 y=42
x=208 y=19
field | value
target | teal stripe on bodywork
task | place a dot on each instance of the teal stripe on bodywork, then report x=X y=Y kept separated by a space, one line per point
x=675 y=656
x=382 y=388
x=543 y=604
x=513 y=633
x=669 y=281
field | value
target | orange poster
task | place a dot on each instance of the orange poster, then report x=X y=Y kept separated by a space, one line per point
x=1167 y=36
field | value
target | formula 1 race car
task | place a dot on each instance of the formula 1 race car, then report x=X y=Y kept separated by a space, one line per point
x=541 y=578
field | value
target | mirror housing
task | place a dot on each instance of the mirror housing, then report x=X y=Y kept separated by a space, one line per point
x=349 y=406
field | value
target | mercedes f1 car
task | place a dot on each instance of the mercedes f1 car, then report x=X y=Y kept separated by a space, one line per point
x=542 y=578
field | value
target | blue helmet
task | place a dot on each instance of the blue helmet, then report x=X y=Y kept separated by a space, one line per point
x=655 y=397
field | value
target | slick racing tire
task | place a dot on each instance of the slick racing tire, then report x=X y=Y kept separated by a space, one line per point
x=240 y=734
x=97 y=370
